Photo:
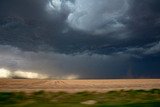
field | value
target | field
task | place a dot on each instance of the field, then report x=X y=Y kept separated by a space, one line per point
x=79 y=93
x=132 y=98
x=72 y=86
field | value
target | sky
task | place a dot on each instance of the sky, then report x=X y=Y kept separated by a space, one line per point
x=79 y=39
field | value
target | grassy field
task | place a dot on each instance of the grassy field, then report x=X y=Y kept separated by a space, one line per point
x=132 y=98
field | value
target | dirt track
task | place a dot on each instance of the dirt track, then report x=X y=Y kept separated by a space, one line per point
x=77 y=85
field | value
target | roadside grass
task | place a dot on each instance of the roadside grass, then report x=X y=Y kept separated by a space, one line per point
x=131 y=98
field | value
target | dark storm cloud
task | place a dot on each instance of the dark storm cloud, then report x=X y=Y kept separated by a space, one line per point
x=144 y=19
x=82 y=65
x=88 y=38
x=25 y=8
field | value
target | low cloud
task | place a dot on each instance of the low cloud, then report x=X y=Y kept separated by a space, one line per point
x=65 y=66
x=154 y=49
x=29 y=75
x=149 y=49
x=4 y=73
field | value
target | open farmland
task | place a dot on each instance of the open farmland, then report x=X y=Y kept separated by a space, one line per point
x=80 y=93
x=28 y=85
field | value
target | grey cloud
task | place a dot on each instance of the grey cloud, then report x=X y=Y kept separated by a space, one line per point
x=94 y=17
x=57 y=65
x=98 y=17
x=149 y=49
x=78 y=37
x=154 y=49
x=52 y=33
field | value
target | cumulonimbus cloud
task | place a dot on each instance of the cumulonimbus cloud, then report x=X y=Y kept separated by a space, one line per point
x=96 y=17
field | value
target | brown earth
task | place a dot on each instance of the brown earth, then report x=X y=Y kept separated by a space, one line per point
x=30 y=85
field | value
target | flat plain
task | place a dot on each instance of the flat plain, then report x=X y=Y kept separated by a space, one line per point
x=71 y=86
x=80 y=93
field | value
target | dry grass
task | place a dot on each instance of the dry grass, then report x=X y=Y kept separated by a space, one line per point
x=30 y=85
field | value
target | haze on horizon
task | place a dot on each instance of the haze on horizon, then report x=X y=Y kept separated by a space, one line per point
x=70 y=39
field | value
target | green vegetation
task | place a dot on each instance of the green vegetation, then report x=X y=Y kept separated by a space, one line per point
x=132 y=98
